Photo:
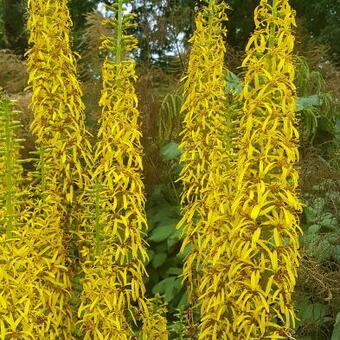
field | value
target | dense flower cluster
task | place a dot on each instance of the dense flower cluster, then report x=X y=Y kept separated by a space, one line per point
x=57 y=106
x=63 y=151
x=114 y=251
x=205 y=161
x=13 y=299
x=263 y=243
x=239 y=202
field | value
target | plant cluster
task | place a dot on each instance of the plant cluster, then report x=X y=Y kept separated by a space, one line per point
x=215 y=250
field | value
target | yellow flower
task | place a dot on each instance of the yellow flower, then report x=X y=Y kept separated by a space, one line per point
x=206 y=170
x=114 y=250
x=264 y=236
x=64 y=152
x=15 y=264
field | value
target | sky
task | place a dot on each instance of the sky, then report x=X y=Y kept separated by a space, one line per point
x=105 y=12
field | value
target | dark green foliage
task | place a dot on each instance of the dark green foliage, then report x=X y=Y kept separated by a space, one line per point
x=13 y=34
x=165 y=264
x=322 y=20
x=14 y=37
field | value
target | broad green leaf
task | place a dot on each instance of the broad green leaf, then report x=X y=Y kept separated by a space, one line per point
x=313 y=229
x=170 y=151
x=158 y=260
x=185 y=252
x=168 y=287
x=336 y=332
x=312 y=312
x=159 y=288
x=162 y=232
x=304 y=102
x=310 y=214
x=184 y=300
x=174 y=271
x=173 y=239
x=336 y=329
x=172 y=290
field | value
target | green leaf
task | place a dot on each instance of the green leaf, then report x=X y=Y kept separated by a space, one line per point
x=170 y=151
x=184 y=300
x=173 y=239
x=329 y=222
x=174 y=271
x=312 y=312
x=234 y=83
x=160 y=286
x=313 y=229
x=336 y=329
x=310 y=214
x=162 y=232
x=168 y=287
x=181 y=256
x=172 y=290
x=336 y=332
x=337 y=319
x=304 y=102
x=163 y=213
x=151 y=254
x=326 y=250
x=158 y=260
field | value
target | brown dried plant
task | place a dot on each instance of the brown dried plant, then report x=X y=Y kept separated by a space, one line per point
x=13 y=74
x=90 y=66
x=13 y=78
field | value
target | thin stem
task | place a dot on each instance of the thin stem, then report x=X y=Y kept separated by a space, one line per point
x=119 y=31
x=9 y=173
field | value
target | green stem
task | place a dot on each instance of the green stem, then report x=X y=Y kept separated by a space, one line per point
x=9 y=173
x=119 y=31
x=272 y=32
x=98 y=213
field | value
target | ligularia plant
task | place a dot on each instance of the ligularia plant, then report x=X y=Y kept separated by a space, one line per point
x=205 y=159
x=56 y=99
x=239 y=202
x=63 y=149
x=14 y=264
x=264 y=237
x=114 y=251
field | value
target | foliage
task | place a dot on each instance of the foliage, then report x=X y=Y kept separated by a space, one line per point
x=317 y=106
x=321 y=18
x=317 y=294
x=165 y=264
x=14 y=36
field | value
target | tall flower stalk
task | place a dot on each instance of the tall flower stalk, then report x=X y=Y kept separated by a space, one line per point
x=10 y=167
x=114 y=251
x=14 y=287
x=56 y=95
x=264 y=237
x=205 y=158
x=58 y=126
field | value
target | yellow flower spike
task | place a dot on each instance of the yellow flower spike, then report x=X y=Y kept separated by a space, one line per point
x=266 y=193
x=206 y=174
x=114 y=251
x=58 y=124
x=15 y=264
x=56 y=95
